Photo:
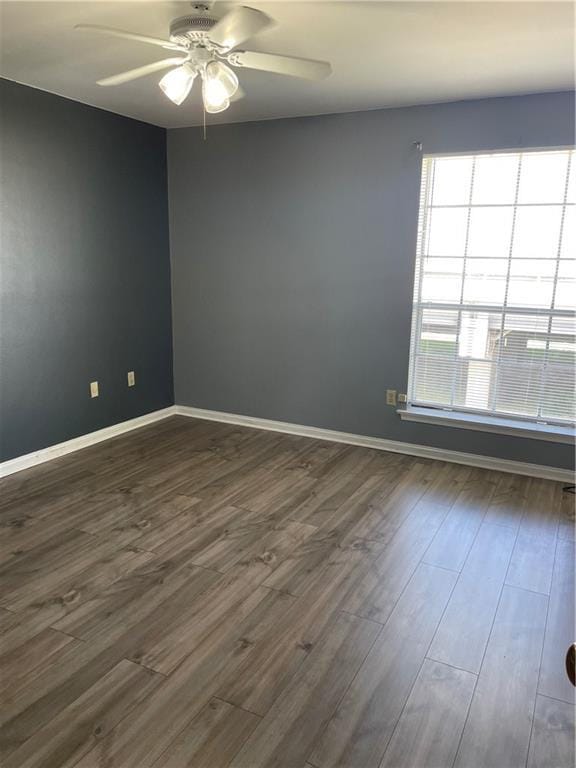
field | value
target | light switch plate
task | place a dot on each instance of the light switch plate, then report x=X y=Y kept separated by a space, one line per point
x=94 y=389
x=390 y=397
x=131 y=378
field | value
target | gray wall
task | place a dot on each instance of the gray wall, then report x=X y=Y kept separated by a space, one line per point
x=293 y=246
x=85 y=269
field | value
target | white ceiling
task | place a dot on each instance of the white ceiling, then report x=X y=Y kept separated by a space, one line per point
x=383 y=54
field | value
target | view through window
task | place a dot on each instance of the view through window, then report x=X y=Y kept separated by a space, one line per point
x=493 y=328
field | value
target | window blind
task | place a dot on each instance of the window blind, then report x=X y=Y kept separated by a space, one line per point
x=493 y=323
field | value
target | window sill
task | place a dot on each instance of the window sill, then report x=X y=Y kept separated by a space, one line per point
x=495 y=424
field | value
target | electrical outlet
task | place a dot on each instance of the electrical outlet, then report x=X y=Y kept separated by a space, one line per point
x=390 y=397
x=94 y=389
x=131 y=378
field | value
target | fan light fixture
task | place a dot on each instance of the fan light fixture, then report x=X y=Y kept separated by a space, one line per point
x=214 y=97
x=219 y=84
x=178 y=83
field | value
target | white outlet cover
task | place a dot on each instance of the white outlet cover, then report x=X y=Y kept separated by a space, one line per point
x=94 y=389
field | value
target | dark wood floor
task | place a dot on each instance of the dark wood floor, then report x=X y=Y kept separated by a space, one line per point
x=198 y=594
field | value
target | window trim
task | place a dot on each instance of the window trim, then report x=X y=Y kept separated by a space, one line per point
x=518 y=426
x=554 y=433
x=502 y=151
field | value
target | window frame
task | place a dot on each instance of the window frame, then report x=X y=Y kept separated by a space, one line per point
x=543 y=428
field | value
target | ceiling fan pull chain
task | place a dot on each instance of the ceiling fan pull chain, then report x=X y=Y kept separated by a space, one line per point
x=204 y=119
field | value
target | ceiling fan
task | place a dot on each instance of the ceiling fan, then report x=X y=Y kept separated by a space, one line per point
x=208 y=46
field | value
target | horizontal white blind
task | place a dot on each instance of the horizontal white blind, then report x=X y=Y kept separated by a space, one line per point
x=493 y=324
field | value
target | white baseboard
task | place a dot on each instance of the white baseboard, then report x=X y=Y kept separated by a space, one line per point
x=61 y=449
x=381 y=444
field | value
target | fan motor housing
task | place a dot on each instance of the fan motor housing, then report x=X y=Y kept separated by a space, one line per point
x=191 y=28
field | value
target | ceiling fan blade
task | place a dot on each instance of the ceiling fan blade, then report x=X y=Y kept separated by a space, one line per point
x=147 y=69
x=110 y=32
x=281 y=65
x=238 y=25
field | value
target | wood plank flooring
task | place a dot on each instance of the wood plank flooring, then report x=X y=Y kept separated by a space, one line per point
x=201 y=595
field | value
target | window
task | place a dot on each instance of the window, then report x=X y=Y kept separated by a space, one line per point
x=493 y=328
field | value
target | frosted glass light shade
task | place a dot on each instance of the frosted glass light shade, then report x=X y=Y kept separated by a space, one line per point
x=178 y=82
x=218 y=71
x=219 y=84
x=215 y=98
